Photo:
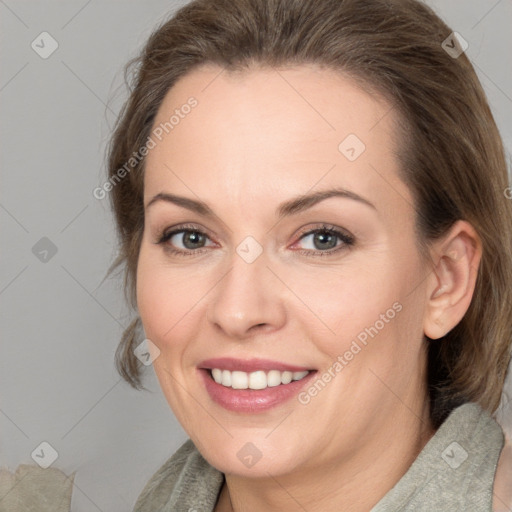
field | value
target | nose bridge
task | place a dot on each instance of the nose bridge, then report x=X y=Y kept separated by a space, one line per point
x=248 y=294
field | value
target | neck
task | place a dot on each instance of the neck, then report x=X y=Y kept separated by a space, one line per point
x=353 y=485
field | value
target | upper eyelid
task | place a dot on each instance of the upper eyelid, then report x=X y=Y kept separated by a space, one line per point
x=302 y=231
x=325 y=227
x=168 y=233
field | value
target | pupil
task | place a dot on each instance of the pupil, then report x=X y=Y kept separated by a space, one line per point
x=193 y=237
x=322 y=238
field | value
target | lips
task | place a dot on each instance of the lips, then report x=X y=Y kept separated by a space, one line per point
x=251 y=401
x=250 y=365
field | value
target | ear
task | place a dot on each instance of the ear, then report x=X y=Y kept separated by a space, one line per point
x=456 y=258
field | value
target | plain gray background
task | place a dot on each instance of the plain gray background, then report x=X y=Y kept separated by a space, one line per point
x=60 y=322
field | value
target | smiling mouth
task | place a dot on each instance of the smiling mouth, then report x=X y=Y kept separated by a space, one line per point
x=259 y=379
x=251 y=386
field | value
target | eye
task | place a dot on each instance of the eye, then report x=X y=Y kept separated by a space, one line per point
x=188 y=236
x=325 y=240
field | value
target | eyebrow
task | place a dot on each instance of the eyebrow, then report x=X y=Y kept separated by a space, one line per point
x=290 y=207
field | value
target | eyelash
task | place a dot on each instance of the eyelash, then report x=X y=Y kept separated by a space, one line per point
x=323 y=228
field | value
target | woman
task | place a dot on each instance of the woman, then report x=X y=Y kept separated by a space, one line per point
x=310 y=202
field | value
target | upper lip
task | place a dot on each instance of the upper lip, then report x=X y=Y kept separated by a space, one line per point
x=249 y=365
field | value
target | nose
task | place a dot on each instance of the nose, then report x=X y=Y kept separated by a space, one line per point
x=248 y=299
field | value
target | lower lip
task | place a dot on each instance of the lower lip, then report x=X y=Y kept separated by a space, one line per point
x=252 y=400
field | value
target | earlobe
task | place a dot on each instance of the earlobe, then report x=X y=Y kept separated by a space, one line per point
x=452 y=281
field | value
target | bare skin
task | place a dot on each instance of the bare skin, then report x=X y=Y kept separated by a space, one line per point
x=254 y=140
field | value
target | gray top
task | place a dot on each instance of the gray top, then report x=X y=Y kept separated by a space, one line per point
x=454 y=472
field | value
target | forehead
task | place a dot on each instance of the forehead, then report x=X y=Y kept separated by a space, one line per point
x=262 y=131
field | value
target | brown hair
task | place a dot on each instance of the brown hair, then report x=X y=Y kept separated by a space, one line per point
x=453 y=160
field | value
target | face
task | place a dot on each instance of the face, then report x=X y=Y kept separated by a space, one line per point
x=332 y=286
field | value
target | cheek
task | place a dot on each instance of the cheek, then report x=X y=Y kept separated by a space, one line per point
x=156 y=298
x=151 y=297
x=346 y=299
x=169 y=297
x=366 y=301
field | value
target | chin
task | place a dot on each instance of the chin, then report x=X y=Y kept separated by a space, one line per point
x=254 y=457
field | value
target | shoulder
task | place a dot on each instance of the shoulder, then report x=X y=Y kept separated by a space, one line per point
x=502 y=499
x=186 y=479
x=161 y=485
x=481 y=440
x=456 y=468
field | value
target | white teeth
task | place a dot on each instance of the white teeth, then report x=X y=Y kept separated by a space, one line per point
x=286 y=377
x=255 y=380
x=239 y=380
x=226 y=378
x=273 y=378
